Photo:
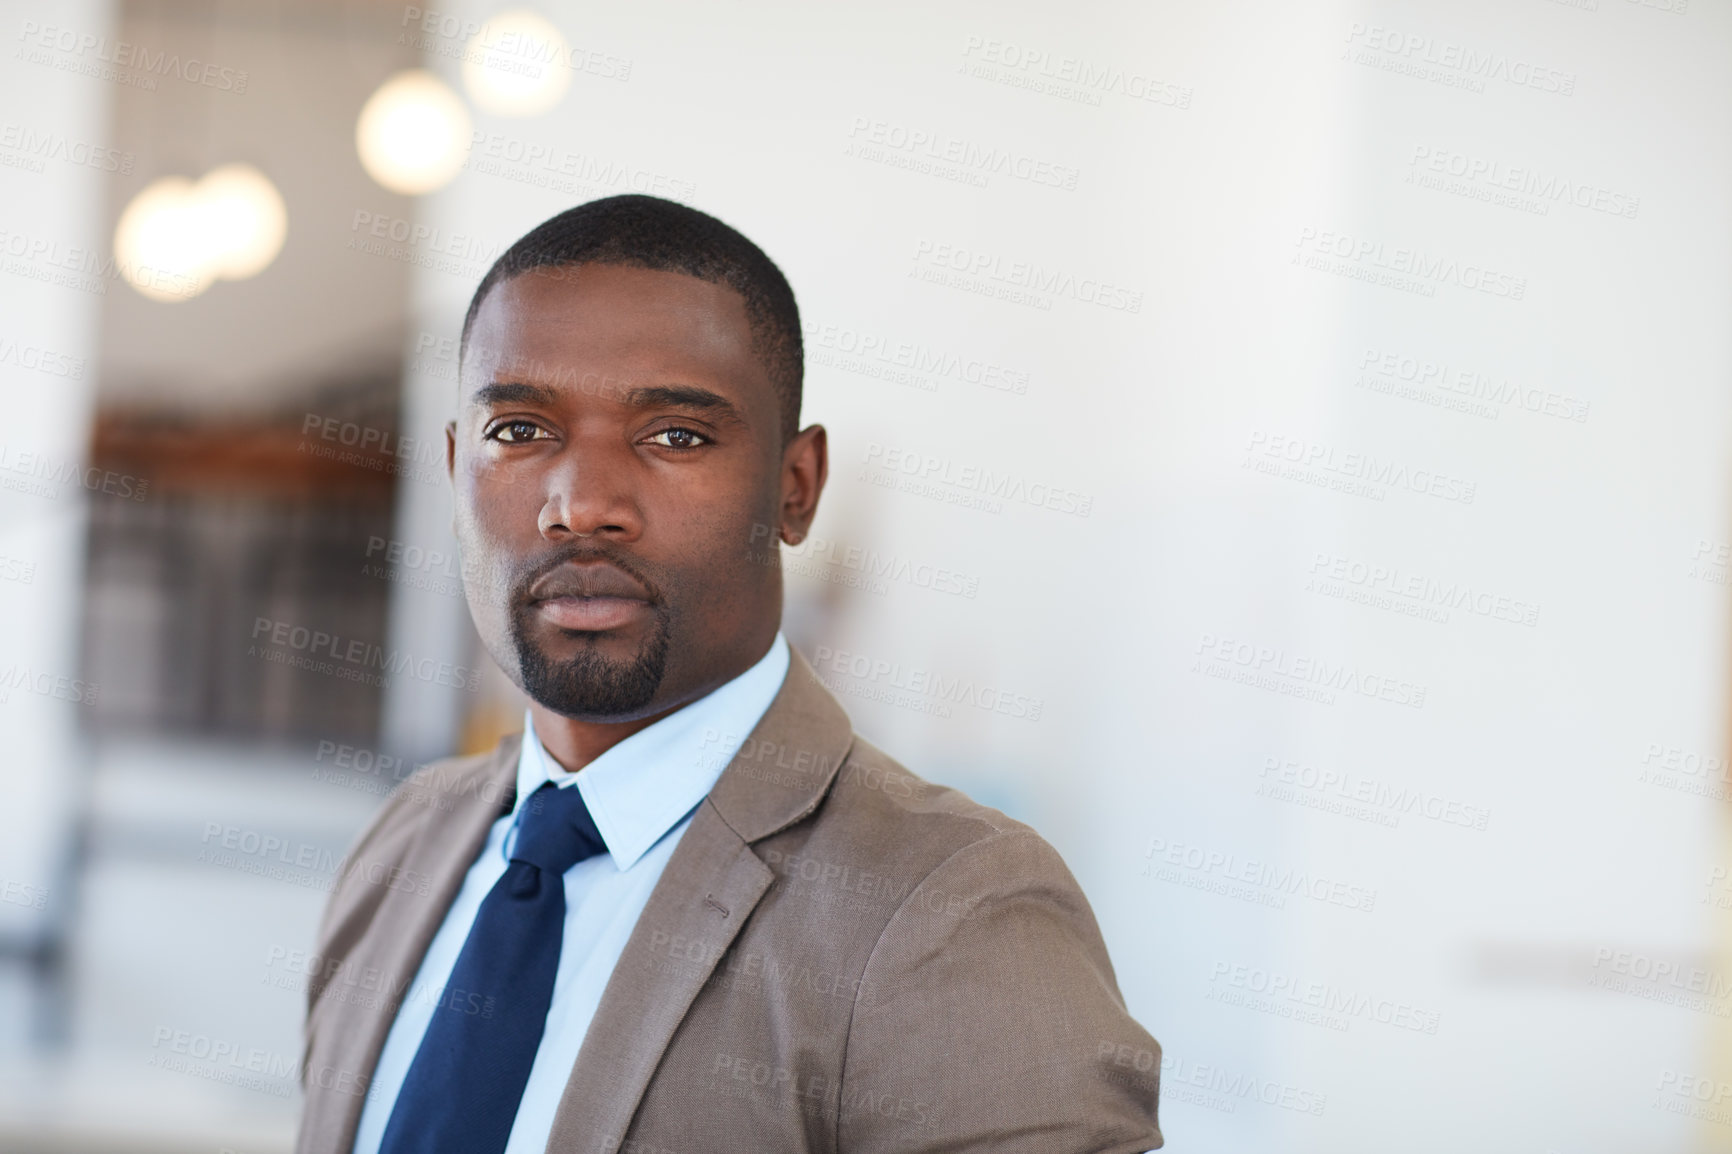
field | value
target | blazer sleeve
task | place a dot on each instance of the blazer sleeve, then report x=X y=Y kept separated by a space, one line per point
x=352 y=906
x=988 y=1019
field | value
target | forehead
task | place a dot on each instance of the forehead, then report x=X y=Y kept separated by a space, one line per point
x=626 y=321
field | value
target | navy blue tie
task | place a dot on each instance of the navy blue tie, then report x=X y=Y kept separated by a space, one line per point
x=461 y=1093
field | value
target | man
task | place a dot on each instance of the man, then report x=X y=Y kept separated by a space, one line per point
x=688 y=910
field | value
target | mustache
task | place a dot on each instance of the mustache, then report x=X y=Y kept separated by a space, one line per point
x=584 y=569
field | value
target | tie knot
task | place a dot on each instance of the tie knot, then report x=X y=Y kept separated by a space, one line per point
x=555 y=831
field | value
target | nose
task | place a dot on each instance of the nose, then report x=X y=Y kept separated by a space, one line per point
x=586 y=495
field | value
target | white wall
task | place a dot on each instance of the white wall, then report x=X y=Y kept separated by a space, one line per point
x=1274 y=131
x=53 y=184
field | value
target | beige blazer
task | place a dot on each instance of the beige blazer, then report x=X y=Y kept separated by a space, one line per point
x=839 y=956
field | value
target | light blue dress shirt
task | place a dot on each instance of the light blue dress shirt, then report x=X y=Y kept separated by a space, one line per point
x=642 y=794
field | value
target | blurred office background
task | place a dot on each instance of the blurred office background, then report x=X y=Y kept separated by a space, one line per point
x=1301 y=429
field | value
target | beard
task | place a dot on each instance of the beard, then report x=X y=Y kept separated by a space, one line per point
x=589 y=684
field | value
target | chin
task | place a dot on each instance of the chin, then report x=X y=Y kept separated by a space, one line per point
x=608 y=676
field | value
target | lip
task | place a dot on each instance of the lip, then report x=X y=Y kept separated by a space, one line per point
x=596 y=579
x=591 y=614
x=589 y=597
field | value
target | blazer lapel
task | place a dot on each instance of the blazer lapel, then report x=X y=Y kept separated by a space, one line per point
x=711 y=884
x=441 y=849
x=652 y=988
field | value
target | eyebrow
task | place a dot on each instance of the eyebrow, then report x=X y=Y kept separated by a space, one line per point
x=513 y=393
x=684 y=397
x=645 y=397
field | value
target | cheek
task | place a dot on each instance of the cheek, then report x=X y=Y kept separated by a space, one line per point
x=708 y=507
x=494 y=527
x=493 y=505
x=719 y=545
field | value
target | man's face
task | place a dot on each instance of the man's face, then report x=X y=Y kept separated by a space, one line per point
x=617 y=460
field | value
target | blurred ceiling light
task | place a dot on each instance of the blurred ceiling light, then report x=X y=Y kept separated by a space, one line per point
x=176 y=237
x=413 y=133
x=520 y=66
x=158 y=246
x=245 y=219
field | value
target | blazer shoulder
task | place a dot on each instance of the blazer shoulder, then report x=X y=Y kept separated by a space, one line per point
x=426 y=798
x=987 y=1004
x=435 y=788
x=929 y=843
x=883 y=801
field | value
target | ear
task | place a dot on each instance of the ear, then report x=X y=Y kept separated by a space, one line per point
x=805 y=467
x=451 y=468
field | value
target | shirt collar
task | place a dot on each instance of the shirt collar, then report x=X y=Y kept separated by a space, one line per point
x=641 y=788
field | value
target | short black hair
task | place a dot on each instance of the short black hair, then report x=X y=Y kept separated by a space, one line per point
x=651 y=233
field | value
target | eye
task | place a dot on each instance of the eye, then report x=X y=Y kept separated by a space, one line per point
x=513 y=432
x=678 y=438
